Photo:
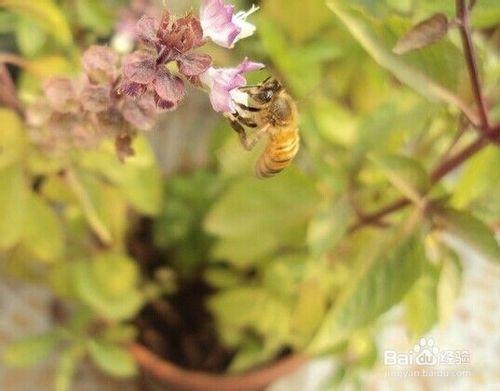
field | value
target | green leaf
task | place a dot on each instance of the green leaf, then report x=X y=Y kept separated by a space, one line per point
x=255 y=217
x=46 y=13
x=221 y=278
x=8 y=22
x=380 y=282
x=421 y=304
x=29 y=37
x=66 y=367
x=120 y=333
x=328 y=227
x=138 y=178
x=478 y=178
x=308 y=311
x=472 y=231
x=264 y=312
x=450 y=281
x=13 y=199
x=301 y=68
x=423 y=34
x=88 y=192
x=13 y=140
x=406 y=174
x=251 y=353
x=112 y=359
x=29 y=351
x=486 y=13
x=95 y=15
x=395 y=121
x=43 y=235
x=364 y=33
x=300 y=22
x=283 y=275
x=108 y=284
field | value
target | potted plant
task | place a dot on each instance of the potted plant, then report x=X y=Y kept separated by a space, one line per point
x=210 y=278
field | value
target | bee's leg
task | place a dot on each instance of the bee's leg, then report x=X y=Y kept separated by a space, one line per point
x=249 y=143
x=235 y=124
x=246 y=142
x=245 y=121
x=248 y=108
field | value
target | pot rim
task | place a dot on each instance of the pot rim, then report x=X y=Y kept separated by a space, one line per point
x=192 y=380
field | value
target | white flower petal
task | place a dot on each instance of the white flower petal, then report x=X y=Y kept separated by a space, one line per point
x=222 y=25
x=224 y=84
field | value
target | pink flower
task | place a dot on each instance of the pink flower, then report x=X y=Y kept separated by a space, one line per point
x=222 y=25
x=224 y=84
x=167 y=40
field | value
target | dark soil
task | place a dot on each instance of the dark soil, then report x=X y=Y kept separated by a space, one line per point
x=179 y=327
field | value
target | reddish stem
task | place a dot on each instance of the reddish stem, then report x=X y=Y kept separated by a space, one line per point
x=491 y=132
x=463 y=13
x=437 y=174
x=8 y=94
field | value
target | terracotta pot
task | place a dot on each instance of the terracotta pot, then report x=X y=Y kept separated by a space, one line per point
x=177 y=378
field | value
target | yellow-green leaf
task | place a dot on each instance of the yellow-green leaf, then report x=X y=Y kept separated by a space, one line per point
x=29 y=36
x=43 y=235
x=46 y=13
x=112 y=359
x=328 y=226
x=13 y=199
x=450 y=279
x=308 y=311
x=363 y=32
x=138 y=178
x=472 y=231
x=405 y=174
x=66 y=367
x=108 y=284
x=380 y=283
x=275 y=211
x=29 y=351
x=421 y=304
x=13 y=140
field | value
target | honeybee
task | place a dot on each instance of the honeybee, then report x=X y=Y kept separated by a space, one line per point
x=273 y=113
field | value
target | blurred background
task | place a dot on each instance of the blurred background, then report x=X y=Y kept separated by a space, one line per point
x=201 y=222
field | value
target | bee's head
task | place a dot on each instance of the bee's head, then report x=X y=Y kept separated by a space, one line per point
x=267 y=90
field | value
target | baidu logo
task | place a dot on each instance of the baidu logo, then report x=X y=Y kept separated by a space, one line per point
x=426 y=353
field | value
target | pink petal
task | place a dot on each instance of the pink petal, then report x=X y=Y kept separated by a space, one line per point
x=216 y=21
x=169 y=88
x=95 y=98
x=141 y=113
x=165 y=104
x=140 y=67
x=249 y=66
x=192 y=64
x=61 y=94
x=131 y=88
x=100 y=63
x=146 y=29
x=223 y=81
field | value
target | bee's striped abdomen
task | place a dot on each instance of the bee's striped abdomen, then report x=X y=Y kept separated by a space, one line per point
x=278 y=154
